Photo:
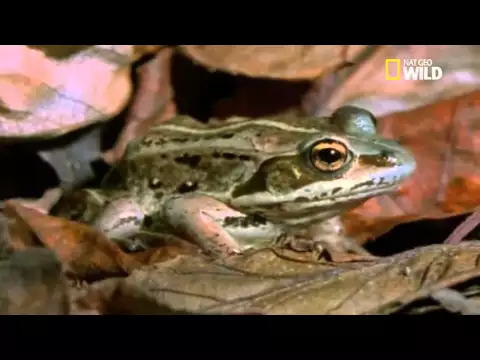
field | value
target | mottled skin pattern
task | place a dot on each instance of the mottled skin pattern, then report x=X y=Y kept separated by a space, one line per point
x=245 y=182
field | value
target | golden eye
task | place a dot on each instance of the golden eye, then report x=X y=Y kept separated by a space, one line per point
x=329 y=155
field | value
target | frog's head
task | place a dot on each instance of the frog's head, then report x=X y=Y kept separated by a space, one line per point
x=327 y=171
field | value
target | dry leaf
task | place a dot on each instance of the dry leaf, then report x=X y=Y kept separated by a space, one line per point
x=86 y=252
x=32 y=283
x=49 y=90
x=142 y=50
x=443 y=140
x=152 y=102
x=269 y=282
x=292 y=62
x=367 y=87
x=96 y=297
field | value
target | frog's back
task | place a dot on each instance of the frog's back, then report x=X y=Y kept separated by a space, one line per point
x=184 y=155
x=239 y=134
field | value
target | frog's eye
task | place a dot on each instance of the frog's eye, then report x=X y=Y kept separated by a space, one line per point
x=329 y=155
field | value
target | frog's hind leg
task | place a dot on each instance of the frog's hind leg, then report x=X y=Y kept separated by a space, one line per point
x=120 y=219
x=112 y=212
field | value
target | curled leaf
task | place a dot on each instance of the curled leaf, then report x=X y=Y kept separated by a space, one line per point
x=85 y=252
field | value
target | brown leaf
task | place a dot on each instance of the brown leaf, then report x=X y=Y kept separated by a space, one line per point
x=17 y=235
x=269 y=282
x=112 y=297
x=96 y=297
x=293 y=62
x=164 y=253
x=367 y=86
x=32 y=282
x=152 y=102
x=86 y=252
x=443 y=139
x=142 y=50
x=49 y=90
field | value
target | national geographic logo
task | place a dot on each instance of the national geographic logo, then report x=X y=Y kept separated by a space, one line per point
x=412 y=69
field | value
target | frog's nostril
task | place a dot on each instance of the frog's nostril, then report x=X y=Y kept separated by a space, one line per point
x=388 y=157
x=385 y=155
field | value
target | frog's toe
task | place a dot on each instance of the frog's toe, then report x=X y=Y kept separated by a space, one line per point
x=296 y=243
x=342 y=248
x=339 y=248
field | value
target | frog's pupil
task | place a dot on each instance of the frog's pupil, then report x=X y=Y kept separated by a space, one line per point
x=329 y=156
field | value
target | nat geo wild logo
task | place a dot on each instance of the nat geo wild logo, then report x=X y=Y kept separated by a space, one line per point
x=412 y=69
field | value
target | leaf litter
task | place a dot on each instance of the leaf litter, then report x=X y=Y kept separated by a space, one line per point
x=81 y=271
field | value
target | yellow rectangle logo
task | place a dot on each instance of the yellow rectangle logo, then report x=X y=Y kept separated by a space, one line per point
x=392 y=61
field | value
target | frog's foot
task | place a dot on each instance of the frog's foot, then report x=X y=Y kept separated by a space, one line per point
x=202 y=220
x=339 y=248
x=298 y=243
x=331 y=236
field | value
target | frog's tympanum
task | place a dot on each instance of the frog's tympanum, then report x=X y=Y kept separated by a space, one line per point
x=245 y=183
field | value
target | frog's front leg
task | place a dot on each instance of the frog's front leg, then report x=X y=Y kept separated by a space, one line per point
x=215 y=227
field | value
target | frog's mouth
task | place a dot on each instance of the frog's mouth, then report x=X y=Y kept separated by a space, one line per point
x=304 y=209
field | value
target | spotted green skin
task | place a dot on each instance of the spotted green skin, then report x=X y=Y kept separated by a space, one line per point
x=241 y=183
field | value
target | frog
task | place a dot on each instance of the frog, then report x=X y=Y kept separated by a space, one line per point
x=239 y=184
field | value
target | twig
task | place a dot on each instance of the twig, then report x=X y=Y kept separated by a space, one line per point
x=464 y=229
x=455 y=302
